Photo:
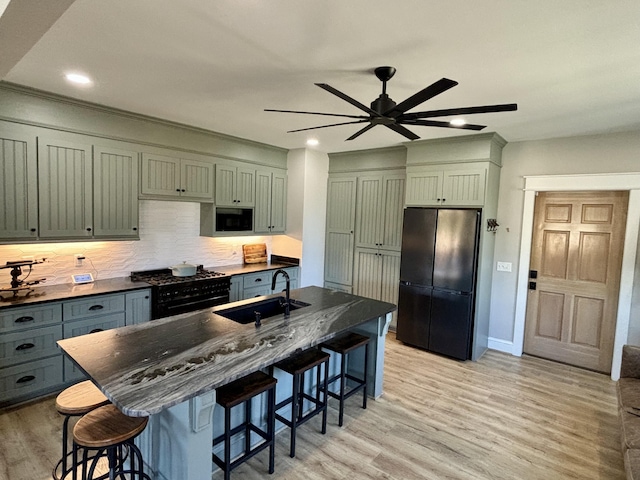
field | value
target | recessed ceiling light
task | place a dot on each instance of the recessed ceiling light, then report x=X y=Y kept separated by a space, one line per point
x=312 y=142
x=78 y=78
x=458 y=122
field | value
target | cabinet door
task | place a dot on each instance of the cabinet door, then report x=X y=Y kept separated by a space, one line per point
x=390 y=277
x=369 y=212
x=464 y=188
x=392 y=212
x=65 y=193
x=245 y=187
x=196 y=179
x=340 y=226
x=367 y=273
x=262 y=211
x=278 y=202
x=225 y=185
x=160 y=175
x=424 y=188
x=18 y=188
x=235 y=292
x=138 y=307
x=115 y=196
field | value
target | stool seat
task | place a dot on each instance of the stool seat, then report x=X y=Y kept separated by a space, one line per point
x=243 y=389
x=302 y=362
x=80 y=398
x=107 y=426
x=345 y=343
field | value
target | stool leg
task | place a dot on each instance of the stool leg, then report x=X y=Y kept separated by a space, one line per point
x=65 y=448
x=325 y=387
x=247 y=430
x=271 y=420
x=227 y=444
x=366 y=375
x=294 y=414
x=343 y=365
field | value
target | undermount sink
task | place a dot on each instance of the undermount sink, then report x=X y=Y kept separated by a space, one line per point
x=260 y=310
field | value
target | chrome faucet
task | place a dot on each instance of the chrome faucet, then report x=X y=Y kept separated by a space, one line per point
x=287 y=291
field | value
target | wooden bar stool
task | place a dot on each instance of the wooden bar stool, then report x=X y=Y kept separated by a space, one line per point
x=108 y=429
x=297 y=366
x=344 y=345
x=75 y=401
x=235 y=393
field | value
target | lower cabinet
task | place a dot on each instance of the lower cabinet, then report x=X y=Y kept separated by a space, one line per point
x=32 y=364
x=377 y=275
x=251 y=285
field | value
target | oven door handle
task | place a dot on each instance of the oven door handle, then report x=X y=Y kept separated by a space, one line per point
x=208 y=300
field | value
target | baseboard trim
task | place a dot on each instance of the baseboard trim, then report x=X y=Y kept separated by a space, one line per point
x=500 y=345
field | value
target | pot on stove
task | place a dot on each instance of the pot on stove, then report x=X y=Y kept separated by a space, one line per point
x=183 y=270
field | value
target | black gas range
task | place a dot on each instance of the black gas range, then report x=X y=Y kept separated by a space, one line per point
x=171 y=295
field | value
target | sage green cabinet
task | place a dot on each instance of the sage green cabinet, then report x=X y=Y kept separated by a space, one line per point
x=235 y=185
x=379 y=205
x=341 y=210
x=446 y=185
x=115 y=193
x=138 y=306
x=377 y=274
x=65 y=196
x=18 y=188
x=270 y=202
x=178 y=178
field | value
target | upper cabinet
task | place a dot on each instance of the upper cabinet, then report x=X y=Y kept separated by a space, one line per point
x=65 y=189
x=115 y=193
x=446 y=186
x=379 y=206
x=270 y=201
x=178 y=178
x=235 y=185
x=19 y=187
x=341 y=212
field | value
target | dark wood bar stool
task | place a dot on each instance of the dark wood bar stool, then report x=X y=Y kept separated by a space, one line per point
x=344 y=345
x=297 y=366
x=107 y=429
x=75 y=401
x=242 y=391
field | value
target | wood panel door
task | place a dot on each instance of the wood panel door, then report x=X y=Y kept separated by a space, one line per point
x=576 y=256
x=341 y=208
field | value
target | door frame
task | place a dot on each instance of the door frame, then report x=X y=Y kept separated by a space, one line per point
x=581 y=182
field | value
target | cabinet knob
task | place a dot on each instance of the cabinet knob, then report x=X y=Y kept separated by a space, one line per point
x=437 y=199
x=33 y=229
x=135 y=229
x=88 y=229
x=177 y=189
x=183 y=190
x=444 y=199
x=146 y=297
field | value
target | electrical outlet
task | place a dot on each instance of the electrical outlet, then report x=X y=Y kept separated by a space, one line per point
x=79 y=258
x=503 y=267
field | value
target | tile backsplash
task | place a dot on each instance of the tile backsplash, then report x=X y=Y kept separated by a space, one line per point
x=169 y=234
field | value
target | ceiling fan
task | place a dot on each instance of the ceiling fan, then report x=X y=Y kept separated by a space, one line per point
x=384 y=111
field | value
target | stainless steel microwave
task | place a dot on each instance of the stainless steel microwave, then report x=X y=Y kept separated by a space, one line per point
x=234 y=219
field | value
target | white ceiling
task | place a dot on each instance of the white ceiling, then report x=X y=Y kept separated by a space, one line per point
x=572 y=66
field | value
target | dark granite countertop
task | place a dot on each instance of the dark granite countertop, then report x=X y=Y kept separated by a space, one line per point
x=146 y=368
x=241 y=269
x=69 y=291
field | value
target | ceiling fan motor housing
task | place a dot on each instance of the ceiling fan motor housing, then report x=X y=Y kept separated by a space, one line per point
x=382 y=104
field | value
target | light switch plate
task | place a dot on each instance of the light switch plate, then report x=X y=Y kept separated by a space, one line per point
x=504 y=267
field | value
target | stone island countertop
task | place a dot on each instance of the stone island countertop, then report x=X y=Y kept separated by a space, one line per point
x=144 y=369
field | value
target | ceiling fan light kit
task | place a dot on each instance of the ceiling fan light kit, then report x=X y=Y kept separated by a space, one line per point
x=384 y=111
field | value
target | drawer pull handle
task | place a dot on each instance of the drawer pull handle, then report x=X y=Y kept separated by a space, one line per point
x=24 y=346
x=258 y=280
x=26 y=378
x=96 y=307
x=24 y=320
x=96 y=330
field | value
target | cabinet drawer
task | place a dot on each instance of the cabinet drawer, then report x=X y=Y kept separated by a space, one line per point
x=256 y=291
x=28 y=378
x=256 y=279
x=92 y=306
x=27 y=317
x=92 y=325
x=29 y=345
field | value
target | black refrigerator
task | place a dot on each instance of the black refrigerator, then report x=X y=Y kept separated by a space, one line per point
x=437 y=279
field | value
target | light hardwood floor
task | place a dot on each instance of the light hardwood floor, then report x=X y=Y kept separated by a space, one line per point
x=502 y=417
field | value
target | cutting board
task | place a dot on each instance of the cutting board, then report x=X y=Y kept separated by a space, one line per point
x=255 y=253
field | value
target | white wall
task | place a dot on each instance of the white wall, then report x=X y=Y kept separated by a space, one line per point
x=610 y=153
x=169 y=234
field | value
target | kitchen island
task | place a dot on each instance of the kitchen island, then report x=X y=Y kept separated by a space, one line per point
x=169 y=368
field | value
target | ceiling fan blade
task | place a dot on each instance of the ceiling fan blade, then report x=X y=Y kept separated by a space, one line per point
x=316 y=113
x=423 y=95
x=507 y=107
x=439 y=123
x=403 y=131
x=325 y=126
x=360 y=132
x=347 y=98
